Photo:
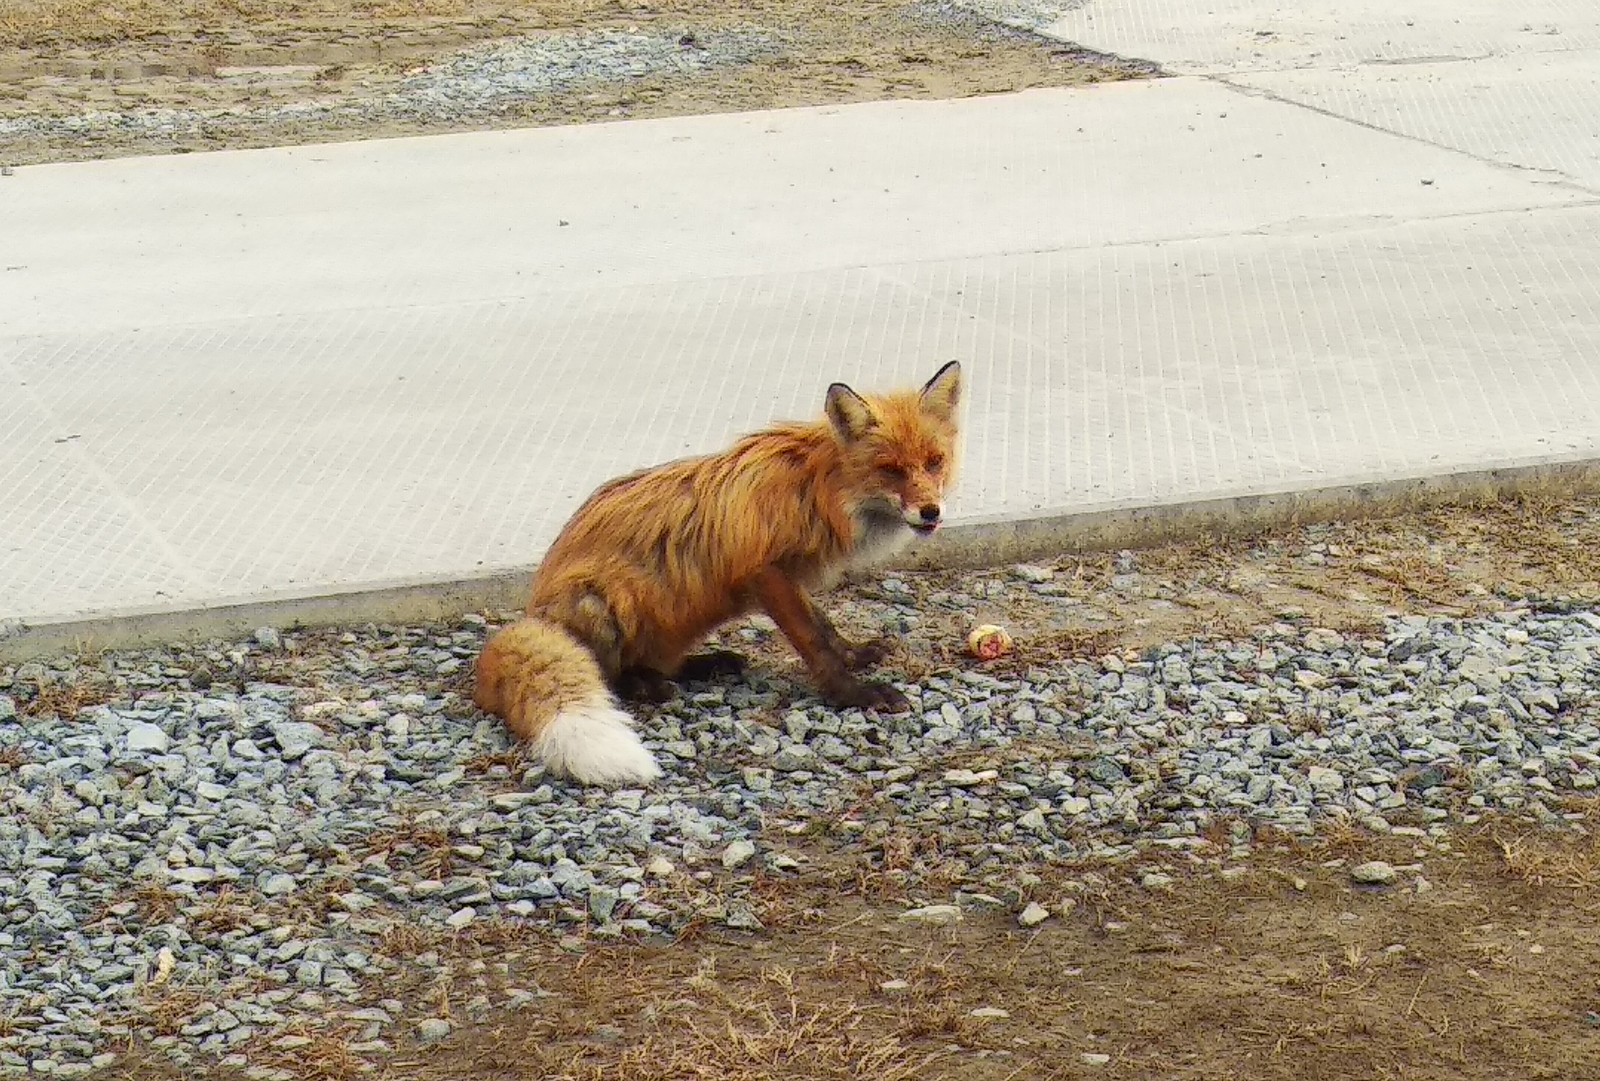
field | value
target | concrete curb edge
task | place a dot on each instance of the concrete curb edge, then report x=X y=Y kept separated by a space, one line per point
x=965 y=545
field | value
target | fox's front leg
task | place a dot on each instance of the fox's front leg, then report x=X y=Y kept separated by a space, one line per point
x=819 y=646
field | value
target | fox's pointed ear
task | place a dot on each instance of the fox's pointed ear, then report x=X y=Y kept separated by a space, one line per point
x=849 y=412
x=942 y=393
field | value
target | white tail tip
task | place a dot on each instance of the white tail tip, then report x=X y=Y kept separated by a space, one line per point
x=594 y=743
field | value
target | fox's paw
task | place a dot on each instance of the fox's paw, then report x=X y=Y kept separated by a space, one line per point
x=644 y=685
x=863 y=694
x=868 y=654
x=712 y=664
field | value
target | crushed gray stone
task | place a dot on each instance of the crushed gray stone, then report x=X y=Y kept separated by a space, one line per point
x=346 y=765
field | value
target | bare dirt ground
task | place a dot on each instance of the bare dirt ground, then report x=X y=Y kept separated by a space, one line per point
x=62 y=58
x=1259 y=959
x=1267 y=968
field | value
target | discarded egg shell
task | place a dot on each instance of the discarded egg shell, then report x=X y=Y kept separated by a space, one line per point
x=986 y=642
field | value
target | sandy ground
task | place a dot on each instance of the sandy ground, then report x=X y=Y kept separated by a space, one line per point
x=65 y=58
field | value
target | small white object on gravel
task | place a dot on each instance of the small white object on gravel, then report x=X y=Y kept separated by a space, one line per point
x=1033 y=915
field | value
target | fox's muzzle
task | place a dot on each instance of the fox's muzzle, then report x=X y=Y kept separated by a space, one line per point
x=924 y=519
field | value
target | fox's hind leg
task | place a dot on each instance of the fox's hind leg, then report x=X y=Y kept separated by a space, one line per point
x=592 y=621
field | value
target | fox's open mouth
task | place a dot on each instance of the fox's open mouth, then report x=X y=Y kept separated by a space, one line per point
x=924 y=529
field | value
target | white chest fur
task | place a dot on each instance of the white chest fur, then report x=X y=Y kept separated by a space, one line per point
x=879 y=535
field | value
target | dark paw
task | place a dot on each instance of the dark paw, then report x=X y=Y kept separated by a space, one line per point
x=644 y=685
x=712 y=664
x=868 y=654
x=866 y=695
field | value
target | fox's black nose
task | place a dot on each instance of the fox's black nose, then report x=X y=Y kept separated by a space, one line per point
x=930 y=512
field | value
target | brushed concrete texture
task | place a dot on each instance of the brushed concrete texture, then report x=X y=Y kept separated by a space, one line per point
x=270 y=375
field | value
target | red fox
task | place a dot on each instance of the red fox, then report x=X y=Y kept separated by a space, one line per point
x=654 y=561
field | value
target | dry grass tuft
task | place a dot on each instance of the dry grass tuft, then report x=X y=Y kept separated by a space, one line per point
x=326 y=1058
x=157 y=904
x=65 y=699
x=166 y=1008
x=227 y=909
x=510 y=758
x=744 y=1031
x=424 y=850
x=1544 y=860
x=1554 y=538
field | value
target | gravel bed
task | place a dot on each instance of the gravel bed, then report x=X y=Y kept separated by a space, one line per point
x=475 y=83
x=322 y=787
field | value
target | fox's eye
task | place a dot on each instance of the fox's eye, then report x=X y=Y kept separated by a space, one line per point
x=935 y=463
x=893 y=471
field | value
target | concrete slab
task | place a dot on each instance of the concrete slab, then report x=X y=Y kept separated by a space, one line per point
x=1218 y=36
x=1533 y=112
x=1140 y=374
x=142 y=242
x=286 y=373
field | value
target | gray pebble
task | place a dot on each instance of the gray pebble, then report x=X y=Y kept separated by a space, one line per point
x=433 y=1029
x=1374 y=873
x=146 y=737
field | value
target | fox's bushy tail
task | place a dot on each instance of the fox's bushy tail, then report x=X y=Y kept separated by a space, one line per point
x=548 y=689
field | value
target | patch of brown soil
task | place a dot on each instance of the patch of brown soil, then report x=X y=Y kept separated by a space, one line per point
x=64 y=57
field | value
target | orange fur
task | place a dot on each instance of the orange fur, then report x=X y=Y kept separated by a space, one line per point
x=655 y=561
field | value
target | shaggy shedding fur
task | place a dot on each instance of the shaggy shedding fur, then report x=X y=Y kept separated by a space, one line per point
x=655 y=561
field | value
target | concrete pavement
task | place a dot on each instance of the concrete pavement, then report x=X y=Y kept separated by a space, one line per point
x=265 y=375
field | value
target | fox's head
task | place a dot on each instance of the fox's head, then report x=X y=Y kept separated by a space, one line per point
x=900 y=449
